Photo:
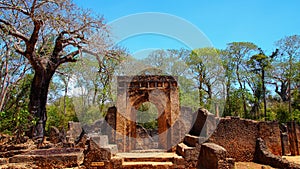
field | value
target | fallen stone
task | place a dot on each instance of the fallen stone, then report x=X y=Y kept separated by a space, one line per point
x=54 y=135
x=213 y=156
x=95 y=153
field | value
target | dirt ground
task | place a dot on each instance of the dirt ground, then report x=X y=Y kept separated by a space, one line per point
x=250 y=165
x=295 y=159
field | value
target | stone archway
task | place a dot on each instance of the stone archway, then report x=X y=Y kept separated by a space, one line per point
x=162 y=91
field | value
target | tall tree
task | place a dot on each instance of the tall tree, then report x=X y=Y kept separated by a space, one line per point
x=241 y=52
x=205 y=63
x=228 y=65
x=259 y=64
x=48 y=34
x=289 y=48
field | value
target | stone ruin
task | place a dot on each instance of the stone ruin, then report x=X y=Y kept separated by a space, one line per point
x=198 y=140
x=162 y=91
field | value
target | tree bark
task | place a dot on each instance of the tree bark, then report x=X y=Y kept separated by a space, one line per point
x=38 y=100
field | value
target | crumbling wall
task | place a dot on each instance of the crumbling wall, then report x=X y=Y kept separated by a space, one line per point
x=294 y=137
x=238 y=137
x=269 y=131
x=264 y=156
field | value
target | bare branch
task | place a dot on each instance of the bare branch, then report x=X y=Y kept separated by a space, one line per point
x=33 y=7
x=68 y=58
x=12 y=30
x=9 y=7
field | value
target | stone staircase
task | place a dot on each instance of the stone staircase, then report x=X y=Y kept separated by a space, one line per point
x=150 y=160
x=189 y=149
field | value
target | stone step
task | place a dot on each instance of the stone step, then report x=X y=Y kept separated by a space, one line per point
x=147 y=165
x=148 y=151
x=151 y=157
x=24 y=165
x=184 y=150
x=51 y=157
x=193 y=141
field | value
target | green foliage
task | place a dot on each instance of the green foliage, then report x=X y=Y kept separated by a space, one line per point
x=147 y=115
x=15 y=118
x=282 y=112
x=56 y=115
x=206 y=67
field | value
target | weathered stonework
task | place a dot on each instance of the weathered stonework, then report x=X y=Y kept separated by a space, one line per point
x=213 y=156
x=294 y=137
x=264 y=156
x=51 y=158
x=54 y=135
x=162 y=91
x=110 y=126
x=74 y=131
x=238 y=137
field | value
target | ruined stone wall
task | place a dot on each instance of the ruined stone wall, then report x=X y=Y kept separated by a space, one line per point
x=238 y=137
x=264 y=156
x=294 y=138
x=269 y=131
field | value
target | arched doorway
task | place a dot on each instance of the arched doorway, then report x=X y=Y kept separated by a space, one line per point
x=162 y=91
x=147 y=126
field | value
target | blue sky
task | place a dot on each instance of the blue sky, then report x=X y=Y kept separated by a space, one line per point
x=259 y=21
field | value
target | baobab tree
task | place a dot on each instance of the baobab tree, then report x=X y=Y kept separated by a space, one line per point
x=48 y=34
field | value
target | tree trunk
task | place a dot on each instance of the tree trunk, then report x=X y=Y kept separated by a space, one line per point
x=264 y=93
x=200 y=93
x=242 y=90
x=38 y=100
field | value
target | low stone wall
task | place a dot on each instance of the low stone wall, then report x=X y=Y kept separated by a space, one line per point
x=238 y=137
x=264 y=156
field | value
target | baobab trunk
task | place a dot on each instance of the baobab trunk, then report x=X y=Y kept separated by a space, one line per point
x=38 y=100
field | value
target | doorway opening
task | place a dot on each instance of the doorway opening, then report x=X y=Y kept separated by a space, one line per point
x=147 y=126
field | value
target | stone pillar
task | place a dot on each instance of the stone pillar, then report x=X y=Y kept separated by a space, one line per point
x=110 y=127
x=294 y=139
x=175 y=108
x=285 y=144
